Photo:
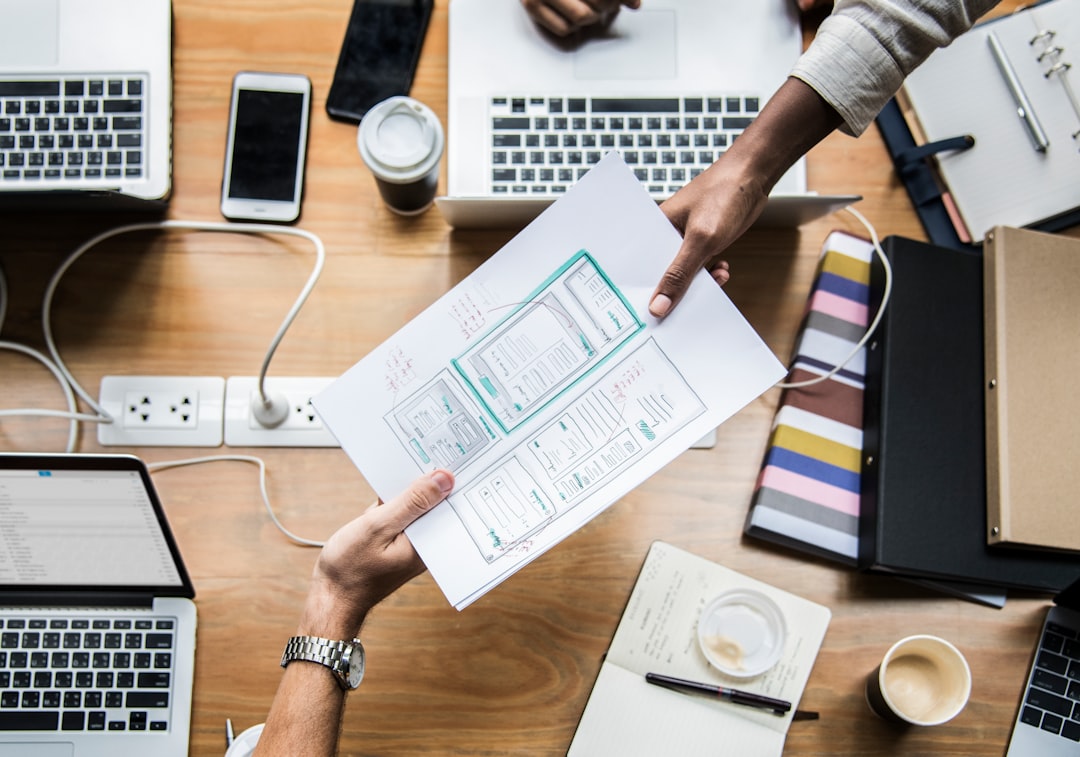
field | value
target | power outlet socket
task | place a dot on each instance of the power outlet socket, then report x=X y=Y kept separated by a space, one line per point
x=302 y=426
x=162 y=411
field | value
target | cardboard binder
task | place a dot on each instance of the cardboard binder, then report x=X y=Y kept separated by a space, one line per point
x=1032 y=318
x=923 y=503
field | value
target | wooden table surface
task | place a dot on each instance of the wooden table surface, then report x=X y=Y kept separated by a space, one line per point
x=511 y=673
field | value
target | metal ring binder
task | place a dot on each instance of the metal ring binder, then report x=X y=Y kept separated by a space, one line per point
x=1049 y=52
x=1047 y=34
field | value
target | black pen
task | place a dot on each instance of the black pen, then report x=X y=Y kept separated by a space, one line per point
x=778 y=706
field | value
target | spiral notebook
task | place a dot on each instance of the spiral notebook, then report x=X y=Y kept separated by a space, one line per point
x=1007 y=84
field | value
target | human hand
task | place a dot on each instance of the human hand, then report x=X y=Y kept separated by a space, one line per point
x=367 y=559
x=711 y=212
x=714 y=209
x=565 y=17
x=807 y=5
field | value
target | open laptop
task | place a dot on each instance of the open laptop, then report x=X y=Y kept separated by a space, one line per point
x=85 y=102
x=1048 y=719
x=97 y=622
x=670 y=86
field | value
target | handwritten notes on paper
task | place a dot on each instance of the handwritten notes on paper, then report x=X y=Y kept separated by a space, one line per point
x=544 y=384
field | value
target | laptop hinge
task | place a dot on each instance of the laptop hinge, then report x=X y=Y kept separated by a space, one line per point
x=80 y=599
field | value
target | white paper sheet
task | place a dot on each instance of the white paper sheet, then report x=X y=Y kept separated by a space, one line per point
x=544 y=384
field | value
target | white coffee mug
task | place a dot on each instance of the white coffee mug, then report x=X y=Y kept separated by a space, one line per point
x=922 y=680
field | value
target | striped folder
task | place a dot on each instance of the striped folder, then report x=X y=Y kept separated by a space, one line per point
x=807 y=495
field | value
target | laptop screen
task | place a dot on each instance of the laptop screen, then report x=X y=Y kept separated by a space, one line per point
x=84 y=522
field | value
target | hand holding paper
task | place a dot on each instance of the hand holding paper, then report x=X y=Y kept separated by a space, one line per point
x=544 y=385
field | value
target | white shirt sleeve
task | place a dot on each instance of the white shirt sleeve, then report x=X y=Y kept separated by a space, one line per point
x=863 y=51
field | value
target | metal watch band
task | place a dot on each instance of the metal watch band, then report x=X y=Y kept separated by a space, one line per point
x=328 y=652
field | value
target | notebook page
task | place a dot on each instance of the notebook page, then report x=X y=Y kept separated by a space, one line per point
x=960 y=90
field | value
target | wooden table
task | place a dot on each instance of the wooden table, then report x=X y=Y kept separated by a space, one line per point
x=510 y=674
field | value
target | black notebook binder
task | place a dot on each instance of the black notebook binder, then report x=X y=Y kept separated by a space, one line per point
x=923 y=500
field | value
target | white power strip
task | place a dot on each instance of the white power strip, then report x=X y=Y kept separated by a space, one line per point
x=301 y=427
x=162 y=411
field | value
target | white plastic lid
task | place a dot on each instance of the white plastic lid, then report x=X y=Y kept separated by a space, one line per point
x=742 y=633
x=400 y=140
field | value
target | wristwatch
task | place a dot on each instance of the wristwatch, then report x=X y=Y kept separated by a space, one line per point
x=344 y=658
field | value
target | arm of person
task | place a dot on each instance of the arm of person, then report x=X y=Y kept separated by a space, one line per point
x=361 y=564
x=859 y=58
x=714 y=209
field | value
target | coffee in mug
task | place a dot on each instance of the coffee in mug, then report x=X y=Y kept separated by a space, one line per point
x=922 y=680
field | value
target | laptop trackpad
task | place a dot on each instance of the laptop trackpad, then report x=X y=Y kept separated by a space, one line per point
x=28 y=34
x=67 y=749
x=638 y=45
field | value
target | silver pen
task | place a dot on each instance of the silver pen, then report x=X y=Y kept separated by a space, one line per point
x=1039 y=139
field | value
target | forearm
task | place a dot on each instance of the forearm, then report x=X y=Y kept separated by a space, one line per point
x=306 y=715
x=793 y=120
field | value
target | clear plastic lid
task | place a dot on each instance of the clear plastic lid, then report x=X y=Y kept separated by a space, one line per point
x=742 y=633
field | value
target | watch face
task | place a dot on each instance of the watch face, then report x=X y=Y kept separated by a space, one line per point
x=356 y=665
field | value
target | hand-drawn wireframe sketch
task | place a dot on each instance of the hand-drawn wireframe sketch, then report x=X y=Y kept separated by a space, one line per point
x=543 y=383
x=570 y=326
x=625 y=414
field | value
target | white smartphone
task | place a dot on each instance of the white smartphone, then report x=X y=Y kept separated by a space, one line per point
x=267 y=147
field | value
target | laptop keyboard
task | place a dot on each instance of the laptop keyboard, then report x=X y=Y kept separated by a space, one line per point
x=86 y=673
x=72 y=132
x=1052 y=701
x=542 y=145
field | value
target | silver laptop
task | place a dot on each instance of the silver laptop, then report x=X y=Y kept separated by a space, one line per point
x=85 y=102
x=97 y=624
x=670 y=86
x=1048 y=718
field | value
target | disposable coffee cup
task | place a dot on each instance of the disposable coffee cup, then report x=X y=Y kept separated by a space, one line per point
x=401 y=142
x=922 y=680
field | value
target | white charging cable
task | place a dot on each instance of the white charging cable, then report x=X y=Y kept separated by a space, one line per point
x=269 y=408
x=886 y=293
x=72 y=413
x=262 y=486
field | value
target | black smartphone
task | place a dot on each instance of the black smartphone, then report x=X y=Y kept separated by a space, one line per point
x=267 y=143
x=379 y=55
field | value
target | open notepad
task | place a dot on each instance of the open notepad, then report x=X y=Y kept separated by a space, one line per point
x=657 y=633
x=975 y=87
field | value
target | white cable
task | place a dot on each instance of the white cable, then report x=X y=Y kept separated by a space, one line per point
x=71 y=413
x=242 y=228
x=262 y=486
x=886 y=293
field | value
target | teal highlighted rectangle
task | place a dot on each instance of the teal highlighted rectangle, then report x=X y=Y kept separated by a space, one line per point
x=647 y=432
x=419 y=451
x=484 y=389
